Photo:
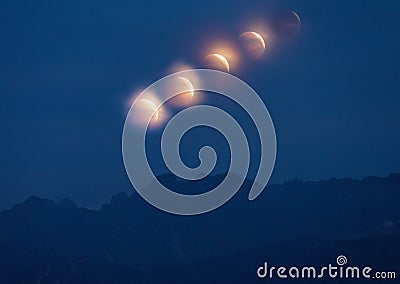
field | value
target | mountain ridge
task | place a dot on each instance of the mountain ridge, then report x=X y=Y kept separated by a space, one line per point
x=129 y=236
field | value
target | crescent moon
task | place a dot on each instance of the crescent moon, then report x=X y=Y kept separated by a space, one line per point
x=297 y=16
x=220 y=58
x=253 y=44
x=254 y=35
x=153 y=105
x=188 y=84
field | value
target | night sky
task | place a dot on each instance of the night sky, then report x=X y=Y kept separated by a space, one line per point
x=68 y=68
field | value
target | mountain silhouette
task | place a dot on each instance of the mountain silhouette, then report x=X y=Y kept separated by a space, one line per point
x=129 y=241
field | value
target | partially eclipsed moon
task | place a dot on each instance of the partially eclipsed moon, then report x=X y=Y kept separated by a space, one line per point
x=253 y=44
x=286 y=24
x=218 y=61
x=297 y=17
x=255 y=36
x=188 y=85
x=185 y=92
x=153 y=106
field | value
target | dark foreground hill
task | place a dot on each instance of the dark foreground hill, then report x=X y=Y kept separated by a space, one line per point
x=128 y=241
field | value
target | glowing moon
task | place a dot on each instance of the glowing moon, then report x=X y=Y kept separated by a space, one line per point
x=185 y=92
x=217 y=61
x=188 y=85
x=153 y=106
x=253 y=44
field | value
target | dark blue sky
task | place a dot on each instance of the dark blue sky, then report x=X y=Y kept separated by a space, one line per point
x=67 y=69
